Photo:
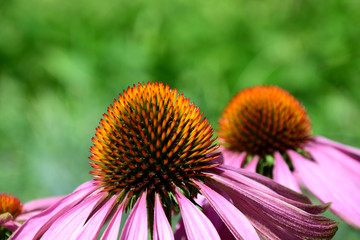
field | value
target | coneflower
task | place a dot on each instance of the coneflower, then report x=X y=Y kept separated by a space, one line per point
x=152 y=154
x=266 y=130
x=13 y=212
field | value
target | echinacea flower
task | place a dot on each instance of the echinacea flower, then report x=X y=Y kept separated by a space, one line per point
x=13 y=212
x=152 y=154
x=266 y=130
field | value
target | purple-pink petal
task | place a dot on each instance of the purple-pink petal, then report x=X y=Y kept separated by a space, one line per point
x=93 y=226
x=25 y=216
x=40 y=204
x=136 y=226
x=11 y=225
x=283 y=175
x=69 y=225
x=232 y=158
x=269 y=187
x=112 y=230
x=326 y=155
x=261 y=183
x=237 y=223
x=340 y=146
x=276 y=212
x=36 y=226
x=162 y=229
x=251 y=166
x=330 y=184
x=197 y=225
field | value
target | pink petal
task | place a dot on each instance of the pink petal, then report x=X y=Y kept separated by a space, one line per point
x=25 y=216
x=283 y=175
x=261 y=183
x=197 y=225
x=36 y=226
x=329 y=155
x=40 y=204
x=86 y=185
x=236 y=175
x=330 y=184
x=269 y=187
x=93 y=225
x=273 y=214
x=136 y=226
x=112 y=230
x=221 y=228
x=340 y=146
x=232 y=158
x=251 y=166
x=11 y=225
x=69 y=225
x=162 y=229
x=237 y=223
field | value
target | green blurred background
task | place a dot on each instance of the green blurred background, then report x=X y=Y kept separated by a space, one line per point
x=63 y=62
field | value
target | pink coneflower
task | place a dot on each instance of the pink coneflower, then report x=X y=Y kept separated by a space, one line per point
x=153 y=153
x=266 y=130
x=13 y=213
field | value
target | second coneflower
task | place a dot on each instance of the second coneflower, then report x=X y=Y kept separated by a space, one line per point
x=266 y=130
x=13 y=212
x=152 y=154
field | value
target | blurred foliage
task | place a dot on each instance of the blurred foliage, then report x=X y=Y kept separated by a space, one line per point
x=63 y=62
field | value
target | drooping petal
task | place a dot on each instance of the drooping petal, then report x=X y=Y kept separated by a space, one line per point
x=269 y=187
x=328 y=155
x=136 y=226
x=197 y=225
x=11 y=225
x=162 y=229
x=283 y=175
x=251 y=166
x=221 y=228
x=25 y=216
x=276 y=212
x=36 y=226
x=260 y=182
x=340 y=146
x=330 y=184
x=237 y=223
x=232 y=158
x=265 y=226
x=69 y=225
x=112 y=230
x=93 y=226
x=40 y=204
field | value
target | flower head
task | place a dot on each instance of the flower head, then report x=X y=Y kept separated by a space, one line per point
x=152 y=140
x=266 y=130
x=263 y=120
x=13 y=212
x=153 y=154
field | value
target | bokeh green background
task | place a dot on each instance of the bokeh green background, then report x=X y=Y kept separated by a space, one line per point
x=63 y=62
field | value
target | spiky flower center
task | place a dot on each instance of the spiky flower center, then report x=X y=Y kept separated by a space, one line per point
x=262 y=120
x=10 y=204
x=151 y=139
